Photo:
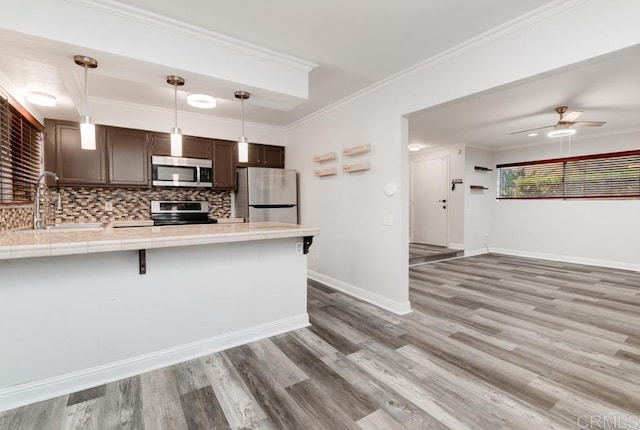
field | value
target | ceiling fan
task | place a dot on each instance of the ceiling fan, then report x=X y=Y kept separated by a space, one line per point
x=566 y=123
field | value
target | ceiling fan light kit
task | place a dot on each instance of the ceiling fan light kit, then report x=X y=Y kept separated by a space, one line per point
x=565 y=125
x=561 y=133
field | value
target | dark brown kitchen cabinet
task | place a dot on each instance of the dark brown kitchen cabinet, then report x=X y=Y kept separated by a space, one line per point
x=264 y=156
x=128 y=157
x=224 y=164
x=273 y=156
x=192 y=147
x=73 y=165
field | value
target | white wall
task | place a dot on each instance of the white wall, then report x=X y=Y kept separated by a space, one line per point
x=154 y=119
x=478 y=206
x=603 y=232
x=355 y=250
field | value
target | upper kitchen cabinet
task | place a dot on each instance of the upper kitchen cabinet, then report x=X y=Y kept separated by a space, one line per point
x=73 y=165
x=128 y=157
x=264 y=156
x=273 y=156
x=192 y=147
x=224 y=164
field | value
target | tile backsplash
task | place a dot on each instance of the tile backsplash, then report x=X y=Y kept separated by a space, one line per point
x=88 y=204
x=14 y=217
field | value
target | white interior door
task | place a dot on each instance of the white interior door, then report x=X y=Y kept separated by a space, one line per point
x=429 y=201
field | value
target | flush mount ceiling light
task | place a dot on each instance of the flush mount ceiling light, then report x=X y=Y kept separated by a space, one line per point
x=176 y=133
x=243 y=143
x=532 y=134
x=41 y=99
x=415 y=147
x=201 y=101
x=87 y=128
x=561 y=133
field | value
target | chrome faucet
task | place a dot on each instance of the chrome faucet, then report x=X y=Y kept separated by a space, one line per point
x=38 y=216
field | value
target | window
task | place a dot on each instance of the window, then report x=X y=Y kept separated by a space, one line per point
x=20 y=142
x=612 y=175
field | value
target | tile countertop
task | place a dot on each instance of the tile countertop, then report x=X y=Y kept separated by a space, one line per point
x=42 y=244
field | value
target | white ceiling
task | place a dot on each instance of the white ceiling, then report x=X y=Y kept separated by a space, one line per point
x=355 y=44
x=606 y=88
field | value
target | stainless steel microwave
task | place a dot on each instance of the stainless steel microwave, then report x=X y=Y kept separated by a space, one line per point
x=181 y=172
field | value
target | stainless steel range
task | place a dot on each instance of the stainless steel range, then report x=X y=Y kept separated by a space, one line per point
x=180 y=213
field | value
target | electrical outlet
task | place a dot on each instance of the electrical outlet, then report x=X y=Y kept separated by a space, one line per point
x=298 y=247
x=108 y=206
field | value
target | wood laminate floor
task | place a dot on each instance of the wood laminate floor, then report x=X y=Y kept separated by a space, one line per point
x=493 y=342
x=421 y=253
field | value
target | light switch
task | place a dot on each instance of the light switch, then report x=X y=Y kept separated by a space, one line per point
x=388 y=219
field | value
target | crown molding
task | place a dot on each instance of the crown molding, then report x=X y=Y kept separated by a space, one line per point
x=512 y=26
x=132 y=13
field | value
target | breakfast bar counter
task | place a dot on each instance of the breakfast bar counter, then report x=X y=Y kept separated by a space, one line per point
x=40 y=243
x=77 y=310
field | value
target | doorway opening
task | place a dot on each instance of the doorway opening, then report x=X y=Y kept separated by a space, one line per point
x=429 y=214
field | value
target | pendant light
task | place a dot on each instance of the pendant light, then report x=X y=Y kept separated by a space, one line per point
x=176 y=133
x=243 y=143
x=87 y=128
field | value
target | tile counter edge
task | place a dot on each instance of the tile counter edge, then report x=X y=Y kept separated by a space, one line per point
x=42 y=244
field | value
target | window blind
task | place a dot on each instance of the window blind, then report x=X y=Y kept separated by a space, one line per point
x=20 y=143
x=610 y=175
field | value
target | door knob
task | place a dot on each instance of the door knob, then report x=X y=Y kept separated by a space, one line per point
x=444 y=207
x=443 y=201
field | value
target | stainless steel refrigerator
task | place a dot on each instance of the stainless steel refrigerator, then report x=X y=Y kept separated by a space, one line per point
x=266 y=194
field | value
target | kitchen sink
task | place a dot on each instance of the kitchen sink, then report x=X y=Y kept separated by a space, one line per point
x=80 y=226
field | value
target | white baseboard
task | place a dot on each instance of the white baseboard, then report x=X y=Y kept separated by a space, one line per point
x=472 y=252
x=568 y=259
x=49 y=388
x=398 y=308
x=456 y=246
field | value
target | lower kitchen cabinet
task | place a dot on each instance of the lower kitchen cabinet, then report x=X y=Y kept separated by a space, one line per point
x=73 y=165
x=224 y=164
x=128 y=156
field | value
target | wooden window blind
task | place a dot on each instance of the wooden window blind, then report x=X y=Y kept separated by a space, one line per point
x=20 y=142
x=602 y=176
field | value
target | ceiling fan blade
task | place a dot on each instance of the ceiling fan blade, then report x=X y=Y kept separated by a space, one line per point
x=572 y=116
x=532 y=129
x=588 y=124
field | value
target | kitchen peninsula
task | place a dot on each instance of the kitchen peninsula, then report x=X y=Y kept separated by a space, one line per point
x=77 y=309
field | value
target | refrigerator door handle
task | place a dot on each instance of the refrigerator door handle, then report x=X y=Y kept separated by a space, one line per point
x=271 y=206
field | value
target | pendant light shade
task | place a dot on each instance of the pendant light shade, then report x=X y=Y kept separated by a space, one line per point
x=243 y=142
x=87 y=128
x=176 y=133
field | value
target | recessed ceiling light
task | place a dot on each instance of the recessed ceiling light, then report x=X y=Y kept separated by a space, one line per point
x=532 y=134
x=201 y=101
x=41 y=99
x=562 y=132
x=415 y=147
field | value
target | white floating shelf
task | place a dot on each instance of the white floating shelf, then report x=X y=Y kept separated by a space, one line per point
x=329 y=171
x=359 y=167
x=325 y=157
x=355 y=150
